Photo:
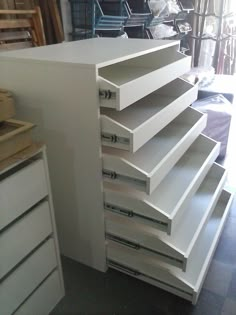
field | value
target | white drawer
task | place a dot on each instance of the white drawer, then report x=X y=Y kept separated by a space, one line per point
x=24 y=280
x=185 y=284
x=19 y=191
x=132 y=127
x=165 y=206
x=146 y=168
x=126 y=82
x=22 y=237
x=44 y=299
x=175 y=249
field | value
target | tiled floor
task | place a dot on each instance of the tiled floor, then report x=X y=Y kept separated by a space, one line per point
x=89 y=292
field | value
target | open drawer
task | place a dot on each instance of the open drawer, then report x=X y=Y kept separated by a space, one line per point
x=126 y=82
x=165 y=206
x=146 y=168
x=184 y=284
x=132 y=127
x=175 y=249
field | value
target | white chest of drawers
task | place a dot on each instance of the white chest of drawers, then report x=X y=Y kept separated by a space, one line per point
x=129 y=166
x=29 y=256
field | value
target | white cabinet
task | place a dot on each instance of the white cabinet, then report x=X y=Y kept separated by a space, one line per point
x=28 y=239
x=134 y=180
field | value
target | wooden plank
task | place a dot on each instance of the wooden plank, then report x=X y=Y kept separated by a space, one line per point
x=7 y=4
x=17 y=12
x=38 y=27
x=15 y=23
x=4 y=4
x=56 y=20
x=19 y=35
x=14 y=46
x=47 y=22
x=24 y=4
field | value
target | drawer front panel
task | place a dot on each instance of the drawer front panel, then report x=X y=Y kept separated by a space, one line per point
x=19 y=284
x=44 y=299
x=21 y=190
x=21 y=238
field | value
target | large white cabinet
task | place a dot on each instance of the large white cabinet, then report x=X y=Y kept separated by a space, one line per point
x=134 y=180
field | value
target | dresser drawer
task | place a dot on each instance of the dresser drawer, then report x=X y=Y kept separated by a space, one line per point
x=146 y=168
x=21 y=188
x=44 y=299
x=21 y=238
x=126 y=82
x=132 y=127
x=165 y=206
x=185 y=284
x=176 y=248
x=25 y=279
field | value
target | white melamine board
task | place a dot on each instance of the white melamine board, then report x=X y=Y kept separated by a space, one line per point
x=133 y=79
x=153 y=161
x=189 y=282
x=98 y=52
x=145 y=118
x=169 y=199
x=44 y=299
x=174 y=249
x=22 y=237
x=21 y=190
x=67 y=119
x=25 y=279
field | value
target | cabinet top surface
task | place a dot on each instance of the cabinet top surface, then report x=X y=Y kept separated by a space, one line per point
x=98 y=52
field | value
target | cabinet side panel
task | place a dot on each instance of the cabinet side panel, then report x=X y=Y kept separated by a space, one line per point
x=62 y=100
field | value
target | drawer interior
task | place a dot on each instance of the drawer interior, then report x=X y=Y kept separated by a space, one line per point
x=191 y=280
x=123 y=72
x=180 y=243
x=153 y=152
x=141 y=111
x=169 y=195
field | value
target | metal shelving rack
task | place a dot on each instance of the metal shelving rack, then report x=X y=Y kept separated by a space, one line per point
x=99 y=18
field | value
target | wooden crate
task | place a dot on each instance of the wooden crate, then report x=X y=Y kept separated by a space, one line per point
x=15 y=136
x=7 y=108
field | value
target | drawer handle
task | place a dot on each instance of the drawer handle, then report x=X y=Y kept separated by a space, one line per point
x=107 y=94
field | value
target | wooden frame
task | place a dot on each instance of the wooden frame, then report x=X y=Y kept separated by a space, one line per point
x=16 y=140
x=28 y=19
